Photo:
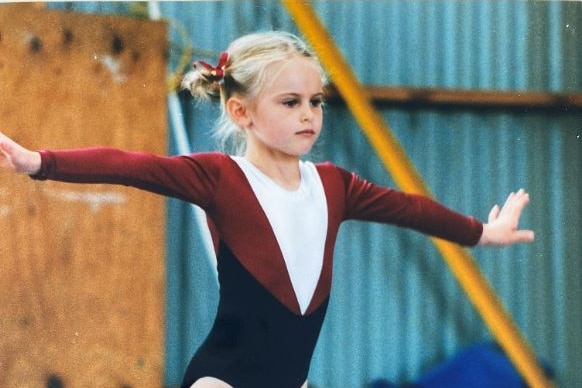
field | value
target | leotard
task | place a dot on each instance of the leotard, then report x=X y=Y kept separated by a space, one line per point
x=260 y=338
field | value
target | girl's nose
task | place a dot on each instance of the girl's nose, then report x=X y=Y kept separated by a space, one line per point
x=306 y=115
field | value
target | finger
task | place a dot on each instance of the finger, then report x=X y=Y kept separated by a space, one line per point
x=514 y=204
x=507 y=203
x=493 y=214
x=4 y=149
x=7 y=155
x=519 y=202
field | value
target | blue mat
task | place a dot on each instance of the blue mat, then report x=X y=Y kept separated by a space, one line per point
x=480 y=366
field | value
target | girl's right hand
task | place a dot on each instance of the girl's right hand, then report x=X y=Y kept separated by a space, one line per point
x=16 y=158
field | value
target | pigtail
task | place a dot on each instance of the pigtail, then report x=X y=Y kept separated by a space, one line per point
x=205 y=81
x=201 y=84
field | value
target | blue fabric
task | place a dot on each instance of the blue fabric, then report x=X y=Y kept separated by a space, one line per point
x=482 y=365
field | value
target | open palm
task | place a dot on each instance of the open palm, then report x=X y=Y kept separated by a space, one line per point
x=502 y=228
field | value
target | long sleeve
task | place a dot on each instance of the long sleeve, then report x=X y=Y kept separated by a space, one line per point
x=369 y=202
x=190 y=178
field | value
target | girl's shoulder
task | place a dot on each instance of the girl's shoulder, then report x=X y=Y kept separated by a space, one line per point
x=331 y=170
x=208 y=157
x=209 y=160
x=336 y=178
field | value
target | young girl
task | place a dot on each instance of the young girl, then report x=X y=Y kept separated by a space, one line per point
x=274 y=217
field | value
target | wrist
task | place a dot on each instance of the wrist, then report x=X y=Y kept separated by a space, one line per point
x=485 y=236
x=34 y=163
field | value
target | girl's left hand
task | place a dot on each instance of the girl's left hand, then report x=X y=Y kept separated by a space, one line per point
x=502 y=227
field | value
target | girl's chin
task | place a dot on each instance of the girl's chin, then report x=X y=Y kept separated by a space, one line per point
x=305 y=151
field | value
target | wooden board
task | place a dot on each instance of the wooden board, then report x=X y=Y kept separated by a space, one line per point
x=81 y=266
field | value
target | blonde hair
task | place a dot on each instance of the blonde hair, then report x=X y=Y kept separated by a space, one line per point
x=245 y=74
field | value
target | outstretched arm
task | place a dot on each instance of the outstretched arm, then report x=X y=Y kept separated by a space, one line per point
x=16 y=158
x=191 y=178
x=502 y=228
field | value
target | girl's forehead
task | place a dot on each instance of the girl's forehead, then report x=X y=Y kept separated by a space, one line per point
x=295 y=73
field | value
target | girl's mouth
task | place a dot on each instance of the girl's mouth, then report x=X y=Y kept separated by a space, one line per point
x=306 y=132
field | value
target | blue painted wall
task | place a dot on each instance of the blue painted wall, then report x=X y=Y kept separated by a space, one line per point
x=396 y=311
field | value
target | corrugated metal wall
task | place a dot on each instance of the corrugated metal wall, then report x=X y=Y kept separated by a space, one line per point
x=396 y=311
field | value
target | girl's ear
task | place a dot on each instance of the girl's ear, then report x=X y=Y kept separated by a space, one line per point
x=238 y=112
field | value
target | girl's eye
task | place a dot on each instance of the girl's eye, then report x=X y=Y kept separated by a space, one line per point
x=294 y=102
x=317 y=102
x=290 y=103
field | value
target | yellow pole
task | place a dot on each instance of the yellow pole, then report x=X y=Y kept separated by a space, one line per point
x=407 y=178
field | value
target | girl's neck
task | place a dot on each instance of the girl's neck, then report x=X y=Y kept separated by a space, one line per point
x=284 y=170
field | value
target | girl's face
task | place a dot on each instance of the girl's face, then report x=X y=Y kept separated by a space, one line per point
x=286 y=117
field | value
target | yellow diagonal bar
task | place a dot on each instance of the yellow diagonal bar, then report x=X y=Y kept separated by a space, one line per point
x=407 y=178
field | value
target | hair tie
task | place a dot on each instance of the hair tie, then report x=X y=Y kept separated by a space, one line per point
x=217 y=71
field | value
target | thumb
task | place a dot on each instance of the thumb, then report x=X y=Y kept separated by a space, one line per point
x=524 y=236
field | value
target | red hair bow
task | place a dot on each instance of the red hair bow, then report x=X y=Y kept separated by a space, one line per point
x=216 y=71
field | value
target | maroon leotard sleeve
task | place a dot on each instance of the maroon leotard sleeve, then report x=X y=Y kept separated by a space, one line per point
x=191 y=178
x=369 y=202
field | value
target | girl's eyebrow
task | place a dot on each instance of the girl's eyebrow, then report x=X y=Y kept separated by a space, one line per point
x=296 y=95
